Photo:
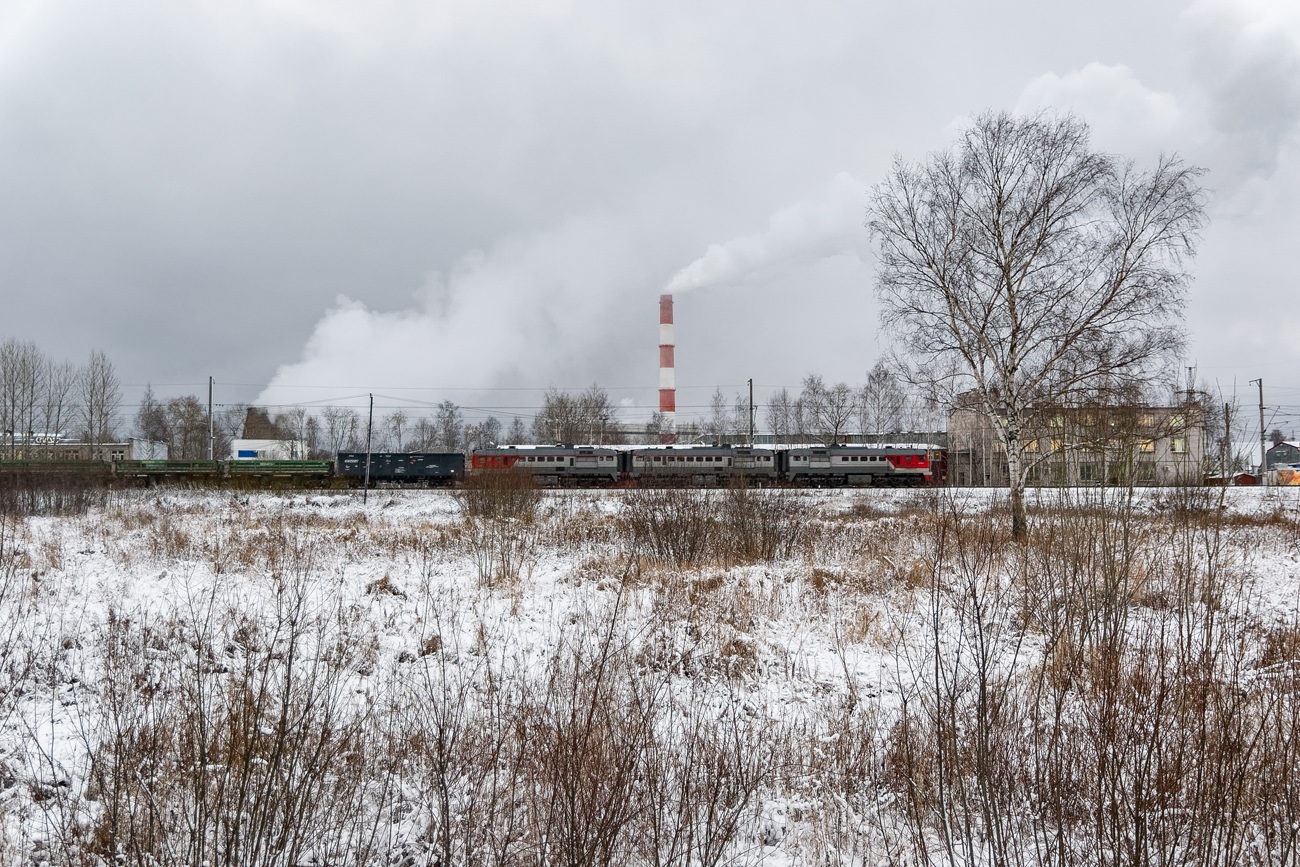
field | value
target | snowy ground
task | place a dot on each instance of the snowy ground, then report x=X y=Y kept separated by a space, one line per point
x=111 y=620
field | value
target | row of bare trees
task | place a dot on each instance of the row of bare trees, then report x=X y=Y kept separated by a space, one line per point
x=41 y=397
x=339 y=429
x=824 y=413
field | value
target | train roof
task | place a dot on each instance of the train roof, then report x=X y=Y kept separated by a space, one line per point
x=550 y=449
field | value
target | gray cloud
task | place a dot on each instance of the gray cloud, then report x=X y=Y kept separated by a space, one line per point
x=497 y=191
x=1247 y=59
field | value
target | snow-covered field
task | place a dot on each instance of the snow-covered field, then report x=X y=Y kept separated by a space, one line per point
x=679 y=677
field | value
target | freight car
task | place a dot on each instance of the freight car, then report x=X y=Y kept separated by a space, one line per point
x=425 y=469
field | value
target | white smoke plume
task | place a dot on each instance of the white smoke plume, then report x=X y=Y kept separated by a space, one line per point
x=522 y=313
x=827 y=223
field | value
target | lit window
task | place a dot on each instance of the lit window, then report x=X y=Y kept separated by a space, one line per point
x=1147 y=446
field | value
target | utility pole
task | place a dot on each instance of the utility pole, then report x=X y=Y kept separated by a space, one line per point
x=211 y=433
x=751 y=413
x=370 y=422
x=1263 y=448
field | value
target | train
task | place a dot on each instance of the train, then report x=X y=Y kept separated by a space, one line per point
x=549 y=465
x=703 y=465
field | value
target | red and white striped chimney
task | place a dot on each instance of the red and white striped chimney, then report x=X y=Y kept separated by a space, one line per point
x=667 y=385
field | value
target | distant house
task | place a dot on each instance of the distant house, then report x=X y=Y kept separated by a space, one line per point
x=1282 y=454
x=1082 y=445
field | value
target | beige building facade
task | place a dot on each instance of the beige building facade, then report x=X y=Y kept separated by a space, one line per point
x=1089 y=445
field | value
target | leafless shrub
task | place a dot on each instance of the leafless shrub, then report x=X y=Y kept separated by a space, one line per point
x=703 y=772
x=760 y=525
x=675 y=526
x=235 y=740
x=40 y=492
x=1138 y=735
x=460 y=729
x=588 y=730
x=511 y=494
x=16 y=602
x=502 y=549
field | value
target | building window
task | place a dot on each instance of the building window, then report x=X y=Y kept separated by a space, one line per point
x=1178 y=445
x=1146 y=420
x=1147 y=446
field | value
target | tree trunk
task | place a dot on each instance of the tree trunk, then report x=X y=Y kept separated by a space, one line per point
x=1019 y=523
x=1016 y=481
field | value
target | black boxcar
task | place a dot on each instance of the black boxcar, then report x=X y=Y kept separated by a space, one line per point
x=411 y=468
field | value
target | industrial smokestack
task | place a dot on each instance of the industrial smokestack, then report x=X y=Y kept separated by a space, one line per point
x=667 y=383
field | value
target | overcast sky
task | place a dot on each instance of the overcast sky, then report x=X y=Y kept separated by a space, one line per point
x=454 y=199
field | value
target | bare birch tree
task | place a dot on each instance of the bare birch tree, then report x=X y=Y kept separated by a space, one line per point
x=1024 y=265
x=396 y=425
x=22 y=374
x=59 y=408
x=882 y=401
x=100 y=398
x=151 y=418
x=781 y=416
x=341 y=427
x=828 y=411
x=517 y=434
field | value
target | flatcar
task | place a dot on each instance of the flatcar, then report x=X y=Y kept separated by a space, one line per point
x=555 y=465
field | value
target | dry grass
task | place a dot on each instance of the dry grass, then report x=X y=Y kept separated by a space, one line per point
x=708 y=673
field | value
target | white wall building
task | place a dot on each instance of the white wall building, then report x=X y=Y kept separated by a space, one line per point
x=268 y=450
